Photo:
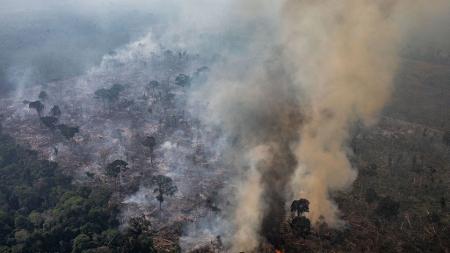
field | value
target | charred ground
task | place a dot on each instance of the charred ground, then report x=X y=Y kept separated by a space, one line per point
x=133 y=119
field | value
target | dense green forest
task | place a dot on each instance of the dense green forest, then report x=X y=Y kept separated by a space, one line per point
x=41 y=210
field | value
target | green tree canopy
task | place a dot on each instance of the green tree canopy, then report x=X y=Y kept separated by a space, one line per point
x=164 y=187
x=113 y=169
x=42 y=210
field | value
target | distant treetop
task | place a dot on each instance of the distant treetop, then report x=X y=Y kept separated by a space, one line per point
x=109 y=94
x=43 y=95
x=183 y=80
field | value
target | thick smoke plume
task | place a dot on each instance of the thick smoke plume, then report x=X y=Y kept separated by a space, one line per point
x=344 y=59
x=326 y=65
x=344 y=56
x=287 y=80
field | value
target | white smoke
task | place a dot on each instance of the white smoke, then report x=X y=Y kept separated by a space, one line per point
x=288 y=79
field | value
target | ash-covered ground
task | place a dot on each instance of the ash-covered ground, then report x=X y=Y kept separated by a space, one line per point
x=152 y=103
x=141 y=105
x=402 y=156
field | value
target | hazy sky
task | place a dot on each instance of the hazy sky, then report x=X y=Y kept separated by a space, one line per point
x=46 y=40
x=43 y=40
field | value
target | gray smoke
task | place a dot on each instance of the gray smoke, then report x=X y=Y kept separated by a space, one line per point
x=287 y=81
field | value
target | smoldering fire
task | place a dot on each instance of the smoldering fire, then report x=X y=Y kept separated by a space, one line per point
x=330 y=64
x=287 y=81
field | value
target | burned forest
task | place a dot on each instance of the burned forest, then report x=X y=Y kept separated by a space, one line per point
x=201 y=126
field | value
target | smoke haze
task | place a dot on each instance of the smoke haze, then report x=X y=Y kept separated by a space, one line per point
x=288 y=80
x=344 y=60
x=326 y=65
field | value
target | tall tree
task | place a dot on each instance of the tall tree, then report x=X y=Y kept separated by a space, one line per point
x=300 y=224
x=43 y=95
x=114 y=170
x=150 y=143
x=109 y=95
x=164 y=187
x=153 y=85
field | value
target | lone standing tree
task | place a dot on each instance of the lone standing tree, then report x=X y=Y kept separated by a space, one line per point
x=150 y=142
x=300 y=224
x=153 y=85
x=164 y=187
x=43 y=95
x=111 y=95
x=114 y=169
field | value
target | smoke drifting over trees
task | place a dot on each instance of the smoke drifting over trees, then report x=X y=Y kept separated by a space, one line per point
x=263 y=94
x=330 y=64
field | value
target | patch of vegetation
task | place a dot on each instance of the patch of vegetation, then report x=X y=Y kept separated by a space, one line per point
x=164 y=186
x=41 y=210
x=300 y=225
x=109 y=95
x=183 y=80
x=43 y=95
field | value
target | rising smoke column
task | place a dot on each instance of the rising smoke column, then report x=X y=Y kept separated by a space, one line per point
x=261 y=119
x=326 y=65
x=344 y=58
x=335 y=61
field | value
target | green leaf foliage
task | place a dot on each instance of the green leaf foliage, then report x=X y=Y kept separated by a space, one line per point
x=42 y=210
